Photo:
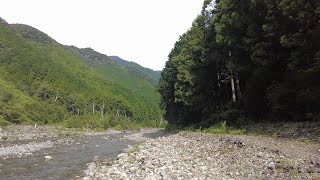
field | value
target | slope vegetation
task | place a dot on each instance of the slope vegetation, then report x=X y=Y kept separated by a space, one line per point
x=42 y=81
x=138 y=71
x=113 y=72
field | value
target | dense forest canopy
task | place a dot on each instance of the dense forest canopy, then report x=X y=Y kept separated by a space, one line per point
x=138 y=71
x=245 y=59
x=45 y=82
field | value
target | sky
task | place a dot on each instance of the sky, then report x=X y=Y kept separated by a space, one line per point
x=143 y=31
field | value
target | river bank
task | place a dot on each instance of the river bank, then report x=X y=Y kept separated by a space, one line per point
x=47 y=152
x=29 y=152
x=18 y=141
x=187 y=155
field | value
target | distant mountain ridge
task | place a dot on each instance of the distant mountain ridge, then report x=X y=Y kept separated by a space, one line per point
x=91 y=57
x=139 y=71
x=117 y=73
x=31 y=33
x=44 y=81
x=95 y=59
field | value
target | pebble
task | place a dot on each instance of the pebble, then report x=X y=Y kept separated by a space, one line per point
x=198 y=156
x=25 y=149
x=271 y=166
x=48 y=157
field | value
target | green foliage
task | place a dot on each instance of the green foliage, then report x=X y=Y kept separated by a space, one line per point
x=86 y=122
x=98 y=123
x=4 y=122
x=90 y=56
x=42 y=81
x=222 y=128
x=133 y=88
x=241 y=60
x=138 y=71
x=31 y=33
x=134 y=149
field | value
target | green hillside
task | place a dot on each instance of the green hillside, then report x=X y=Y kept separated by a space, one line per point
x=120 y=75
x=42 y=81
x=138 y=71
x=90 y=56
x=116 y=73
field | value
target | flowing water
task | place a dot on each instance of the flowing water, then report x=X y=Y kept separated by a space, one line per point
x=69 y=159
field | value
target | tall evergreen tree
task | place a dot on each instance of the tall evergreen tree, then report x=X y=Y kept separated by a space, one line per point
x=261 y=54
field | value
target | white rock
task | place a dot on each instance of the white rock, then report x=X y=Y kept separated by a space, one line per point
x=48 y=157
x=133 y=169
x=271 y=166
x=122 y=155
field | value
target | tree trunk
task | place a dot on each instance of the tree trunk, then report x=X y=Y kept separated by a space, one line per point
x=234 y=99
x=55 y=100
x=238 y=89
x=102 y=113
x=92 y=108
x=226 y=93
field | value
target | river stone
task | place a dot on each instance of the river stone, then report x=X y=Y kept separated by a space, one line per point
x=271 y=166
x=48 y=157
x=133 y=169
x=122 y=155
x=198 y=156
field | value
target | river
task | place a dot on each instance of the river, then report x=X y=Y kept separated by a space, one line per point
x=69 y=158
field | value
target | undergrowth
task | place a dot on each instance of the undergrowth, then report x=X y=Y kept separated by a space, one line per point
x=308 y=132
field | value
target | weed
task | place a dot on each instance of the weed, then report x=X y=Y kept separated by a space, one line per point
x=134 y=149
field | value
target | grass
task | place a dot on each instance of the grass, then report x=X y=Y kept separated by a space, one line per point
x=98 y=123
x=68 y=133
x=308 y=132
x=287 y=166
x=134 y=149
x=108 y=122
x=4 y=123
x=219 y=128
x=222 y=128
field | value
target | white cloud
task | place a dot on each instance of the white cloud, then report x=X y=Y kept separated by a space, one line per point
x=143 y=31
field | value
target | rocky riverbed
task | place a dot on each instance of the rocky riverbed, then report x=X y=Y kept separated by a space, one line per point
x=187 y=155
x=45 y=152
x=18 y=141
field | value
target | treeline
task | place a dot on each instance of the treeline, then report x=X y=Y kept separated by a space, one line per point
x=245 y=59
x=138 y=71
x=43 y=82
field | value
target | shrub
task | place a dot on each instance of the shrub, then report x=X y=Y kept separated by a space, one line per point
x=4 y=122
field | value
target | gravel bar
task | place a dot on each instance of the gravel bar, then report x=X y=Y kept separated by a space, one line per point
x=186 y=155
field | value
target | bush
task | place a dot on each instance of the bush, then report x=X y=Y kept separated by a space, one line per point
x=81 y=122
x=212 y=119
x=219 y=128
x=95 y=122
x=4 y=122
x=234 y=117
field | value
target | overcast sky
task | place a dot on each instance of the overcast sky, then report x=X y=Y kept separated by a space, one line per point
x=143 y=31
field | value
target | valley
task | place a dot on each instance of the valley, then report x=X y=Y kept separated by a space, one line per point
x=45 y=82
x=237 y=97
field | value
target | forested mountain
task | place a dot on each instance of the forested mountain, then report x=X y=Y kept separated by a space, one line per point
x=90 y=56
x=138 y=71
x=115 y=73
x=43 y=81
x=245 y=60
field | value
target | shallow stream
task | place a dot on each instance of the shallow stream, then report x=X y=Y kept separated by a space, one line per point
x=69 y=158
